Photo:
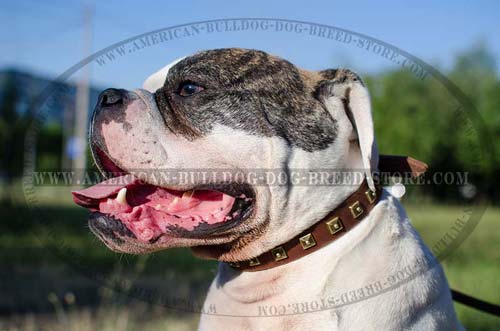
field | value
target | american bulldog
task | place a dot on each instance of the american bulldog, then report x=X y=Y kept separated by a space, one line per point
x=245 y=110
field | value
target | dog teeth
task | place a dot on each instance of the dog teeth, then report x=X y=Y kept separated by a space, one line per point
x=176 y=199
x=158 y=207
x=121 y=196
x=188 y=194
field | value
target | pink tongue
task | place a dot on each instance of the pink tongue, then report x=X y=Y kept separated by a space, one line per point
x=150 y=211
x=87 y=197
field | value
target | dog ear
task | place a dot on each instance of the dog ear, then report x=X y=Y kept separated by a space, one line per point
x=156 y=80
x=342 y=88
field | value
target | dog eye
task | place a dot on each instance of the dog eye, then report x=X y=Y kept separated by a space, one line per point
x=187 y=89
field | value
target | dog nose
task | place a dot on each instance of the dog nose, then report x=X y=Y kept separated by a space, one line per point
x=111 y=97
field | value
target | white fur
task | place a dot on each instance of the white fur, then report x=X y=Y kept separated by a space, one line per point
x=360 y=106
x=156 y=80
x=382 y=245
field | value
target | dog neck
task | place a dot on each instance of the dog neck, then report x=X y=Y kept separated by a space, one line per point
x=344 y=217
x=333 y=226
x=274 y=282
x=274 y=279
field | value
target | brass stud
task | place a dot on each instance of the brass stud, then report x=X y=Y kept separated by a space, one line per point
x=356 y=209
x=371 y=196
x=334 y=225
x=307 y=241
x=254 y=262
x=279 y=253
x=234 y=264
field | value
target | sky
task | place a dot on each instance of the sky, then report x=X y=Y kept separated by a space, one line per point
x=46 y=38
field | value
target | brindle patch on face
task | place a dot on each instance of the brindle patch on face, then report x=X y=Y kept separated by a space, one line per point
x=247 y=90
x=232 y=250
x=331 y=77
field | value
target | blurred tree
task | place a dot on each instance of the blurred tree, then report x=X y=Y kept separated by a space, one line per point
x=12 y=130
x=423 y=119
x=51 y=147
x=475 y=72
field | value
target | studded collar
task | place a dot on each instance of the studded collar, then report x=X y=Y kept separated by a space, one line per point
x=338 y=222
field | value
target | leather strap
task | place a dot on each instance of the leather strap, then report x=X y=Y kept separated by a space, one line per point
x=341 y=220
x=395 y=165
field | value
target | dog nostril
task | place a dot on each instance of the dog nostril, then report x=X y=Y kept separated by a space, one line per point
x=111 y=97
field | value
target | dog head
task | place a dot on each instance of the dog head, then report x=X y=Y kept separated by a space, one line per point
x=225 y=110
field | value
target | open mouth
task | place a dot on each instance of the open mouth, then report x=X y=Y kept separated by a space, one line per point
x=150 y=211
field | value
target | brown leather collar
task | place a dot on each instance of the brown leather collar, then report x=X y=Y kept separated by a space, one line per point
x=341 y=220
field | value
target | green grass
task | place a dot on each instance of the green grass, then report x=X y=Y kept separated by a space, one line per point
x=474 y=267
x=30 y=272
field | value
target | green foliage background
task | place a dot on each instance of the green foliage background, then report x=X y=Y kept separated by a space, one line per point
x=422 y=119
